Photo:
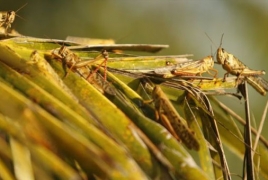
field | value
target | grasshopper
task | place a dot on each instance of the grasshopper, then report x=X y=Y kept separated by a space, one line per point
x=170 y=118
x=191 y=68
x=197 y=67
x=8 y=17
x=235 y=67
x=74 y=62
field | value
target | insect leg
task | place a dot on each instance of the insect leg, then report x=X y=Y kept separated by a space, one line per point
x=105 y=55
x=90 y=75
x=215 y=71
x=225 y=76
x=1 y=24
x=169 y=127
x=68 y=70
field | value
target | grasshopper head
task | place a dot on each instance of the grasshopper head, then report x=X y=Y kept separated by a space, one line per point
x=105 y=54
x=10 y=16
x=149 y=87
x=156 y=91
x=221 y=55
x=63 y=51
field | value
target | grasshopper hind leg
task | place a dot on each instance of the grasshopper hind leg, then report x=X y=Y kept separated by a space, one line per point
x=165 y=122
x=105 y=55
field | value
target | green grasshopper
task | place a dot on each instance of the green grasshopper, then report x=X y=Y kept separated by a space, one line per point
x=197 y=68
x=8 y=17
x=170 y=118
x=235 y=67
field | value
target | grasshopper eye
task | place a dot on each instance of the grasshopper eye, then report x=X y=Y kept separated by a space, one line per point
x=223 y=50
x=168 y=63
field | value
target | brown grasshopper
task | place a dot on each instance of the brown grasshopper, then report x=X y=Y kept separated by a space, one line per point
x=170 y=118
x=74 y=62
x=235 y=67
x=8 y=17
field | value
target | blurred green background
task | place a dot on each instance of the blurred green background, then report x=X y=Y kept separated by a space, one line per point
x=180 y=24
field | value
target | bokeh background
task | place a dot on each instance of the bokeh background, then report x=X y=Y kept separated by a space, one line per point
x=178 y=23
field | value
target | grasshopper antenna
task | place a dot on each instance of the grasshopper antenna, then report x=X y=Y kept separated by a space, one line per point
x=211 y=51
x=124 y=36
x=19 y=10
x=60 y=43
x=21 y=17
x=221 y=39
x=210 y=39
x=213 y=42
x=213 y=55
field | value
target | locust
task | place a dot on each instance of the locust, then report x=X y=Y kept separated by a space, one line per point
x=190 y=68
x=75 y=63
x=170 y=118
x=197 y=68
x=236 y=67
x=8 y=17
